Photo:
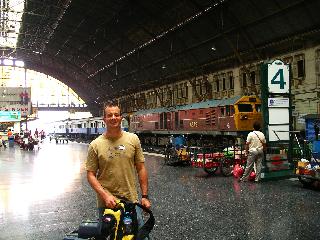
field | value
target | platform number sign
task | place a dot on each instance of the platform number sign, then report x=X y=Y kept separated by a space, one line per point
x=278 y=77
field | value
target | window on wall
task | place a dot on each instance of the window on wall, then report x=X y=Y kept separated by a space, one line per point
x=231 y=82
x=176 y=91
x=208 y=87
x=217 y=86
x=300 y=68
x=288 y=60
x=244 y=80
x=198 y=88
x=253 y=77
x=180 y=93
x=224 y=84
x=203 y=88
x=186 y=91
x=317 y=66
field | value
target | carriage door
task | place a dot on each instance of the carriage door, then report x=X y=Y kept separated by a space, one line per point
x=96 y=127
x=161 y=120
x=67 y=127
x=169 y=121
x=88 y=128
x=176 y=120
x=165 y=121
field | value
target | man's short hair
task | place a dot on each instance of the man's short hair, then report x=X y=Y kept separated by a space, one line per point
x=110 y=104
x=256 y=126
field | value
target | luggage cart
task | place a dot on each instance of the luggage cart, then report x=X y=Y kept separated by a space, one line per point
x=213 y=158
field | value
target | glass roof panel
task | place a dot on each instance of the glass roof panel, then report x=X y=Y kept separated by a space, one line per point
x=10 y=20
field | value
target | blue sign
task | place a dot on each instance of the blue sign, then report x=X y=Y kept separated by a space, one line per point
x=10 y=116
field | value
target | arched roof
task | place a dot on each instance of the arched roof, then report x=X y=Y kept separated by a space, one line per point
x=105 y=49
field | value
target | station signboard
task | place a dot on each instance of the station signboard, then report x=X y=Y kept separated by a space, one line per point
x=278 y=77
x=10 y=116
x=278 y=102
x=16 y=99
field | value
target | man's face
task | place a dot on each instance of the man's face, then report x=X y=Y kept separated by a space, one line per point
x=112 y=117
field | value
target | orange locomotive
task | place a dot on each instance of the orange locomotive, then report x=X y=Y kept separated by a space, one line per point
x=213 y=117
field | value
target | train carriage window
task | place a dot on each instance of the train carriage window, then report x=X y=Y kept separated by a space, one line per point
x=222 y=111
x=229 y=110
x=232 y=110
x=156 y=125
x=258 y=107
x=181 y=123
x=176 y=119
x=245 y=107
x=165 y=121
x=161 y=120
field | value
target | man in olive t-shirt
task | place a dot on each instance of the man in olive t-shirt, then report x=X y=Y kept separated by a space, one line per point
x=113 y=159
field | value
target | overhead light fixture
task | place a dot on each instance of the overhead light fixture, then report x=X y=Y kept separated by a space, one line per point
x=7 y=62
x=213 y=48
x=19 y=63
x=164 y=66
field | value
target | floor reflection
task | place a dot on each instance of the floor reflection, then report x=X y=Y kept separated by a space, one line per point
x=31 y=176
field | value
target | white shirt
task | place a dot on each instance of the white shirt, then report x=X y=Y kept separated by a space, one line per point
x=254 y=142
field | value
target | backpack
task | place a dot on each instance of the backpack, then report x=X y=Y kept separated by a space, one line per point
x=119 y=223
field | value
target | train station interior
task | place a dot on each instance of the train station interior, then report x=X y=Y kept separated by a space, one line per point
x=192 y=83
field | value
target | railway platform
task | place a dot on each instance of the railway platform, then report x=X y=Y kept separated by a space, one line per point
x=44 y=194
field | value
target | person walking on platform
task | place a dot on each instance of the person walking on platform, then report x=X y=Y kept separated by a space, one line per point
x=111 y=163
x=255 y=147
x=2 y=142
x=36 y=133
x=10 y=138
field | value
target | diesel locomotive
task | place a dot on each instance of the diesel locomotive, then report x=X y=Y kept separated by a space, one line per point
x=200 y=121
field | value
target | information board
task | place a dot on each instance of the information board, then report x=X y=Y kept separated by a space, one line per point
x=10 y=116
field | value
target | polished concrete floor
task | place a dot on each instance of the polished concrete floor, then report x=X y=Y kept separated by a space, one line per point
x=44 y=194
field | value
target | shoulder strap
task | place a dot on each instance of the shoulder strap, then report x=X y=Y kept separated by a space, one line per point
x=258 y=137
x=148 y=226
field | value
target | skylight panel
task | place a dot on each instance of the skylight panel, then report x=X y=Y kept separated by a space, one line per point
x=10 y=21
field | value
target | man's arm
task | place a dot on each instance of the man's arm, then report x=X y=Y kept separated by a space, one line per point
x=143 y=180
x=108 y=198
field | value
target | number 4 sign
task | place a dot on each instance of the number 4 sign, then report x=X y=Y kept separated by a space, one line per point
x=278 y=77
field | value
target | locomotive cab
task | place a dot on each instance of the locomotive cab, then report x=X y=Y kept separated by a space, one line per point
x=247 y=111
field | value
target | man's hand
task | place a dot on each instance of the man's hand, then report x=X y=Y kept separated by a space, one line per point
x=109 y=200
x=145 y=202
